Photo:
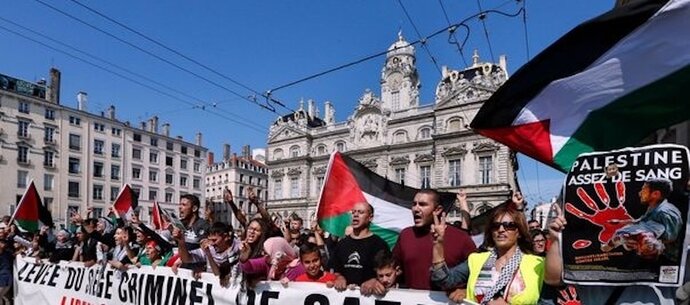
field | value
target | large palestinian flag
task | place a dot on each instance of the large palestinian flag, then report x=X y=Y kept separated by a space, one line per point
x=348 y=182
x=607 y=84
x=31 y=213
x=126 y=202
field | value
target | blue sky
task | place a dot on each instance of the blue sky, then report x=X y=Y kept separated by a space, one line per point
x=263 y=45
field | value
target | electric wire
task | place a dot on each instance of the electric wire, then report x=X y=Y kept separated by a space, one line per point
x=419 y=35
x=452 y=38
x=524 y=24
x=482 y=18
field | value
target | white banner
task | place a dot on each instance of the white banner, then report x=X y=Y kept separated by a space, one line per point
x=70 y=283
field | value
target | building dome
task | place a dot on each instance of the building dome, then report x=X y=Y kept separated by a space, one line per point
x=400 y=47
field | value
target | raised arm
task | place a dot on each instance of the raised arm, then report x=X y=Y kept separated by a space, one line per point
x=239 y=215
x=554 y=259
x=464 y=207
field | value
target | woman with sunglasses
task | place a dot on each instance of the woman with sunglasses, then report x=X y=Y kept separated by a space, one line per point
x=504 y=274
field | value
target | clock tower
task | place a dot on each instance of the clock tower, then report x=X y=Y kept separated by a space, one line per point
x=399 y=78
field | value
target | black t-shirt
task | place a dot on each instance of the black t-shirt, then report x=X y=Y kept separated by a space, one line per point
x=354 y=258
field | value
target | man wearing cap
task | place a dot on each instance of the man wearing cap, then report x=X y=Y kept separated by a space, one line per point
x=657 y=231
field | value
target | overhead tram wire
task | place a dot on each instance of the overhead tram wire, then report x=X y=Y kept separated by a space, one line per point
x=422 y=40
x=128 y=78
x=452 y=38
x=252 y=101
x=178 y=53
x=524 y=24
x=370 y=57
x=482 y=18
x=148 y=79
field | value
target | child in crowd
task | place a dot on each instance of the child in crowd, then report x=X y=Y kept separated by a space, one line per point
x=387 y=269
x=310 y=256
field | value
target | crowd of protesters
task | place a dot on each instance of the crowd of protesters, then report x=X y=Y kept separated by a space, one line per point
x=508 y=268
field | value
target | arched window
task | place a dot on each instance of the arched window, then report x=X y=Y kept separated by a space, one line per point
x=321 y=150
x=454 y=124
x=340 y=146
x=400 y=137
x=294 y=151
x=277 y=154
x=424 y=133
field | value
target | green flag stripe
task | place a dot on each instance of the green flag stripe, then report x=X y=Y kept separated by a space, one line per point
x=27 y=225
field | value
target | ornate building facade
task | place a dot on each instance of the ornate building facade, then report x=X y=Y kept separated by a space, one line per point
x=419 y=145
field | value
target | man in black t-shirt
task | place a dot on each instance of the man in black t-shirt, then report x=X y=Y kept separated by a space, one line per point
x=353 y=258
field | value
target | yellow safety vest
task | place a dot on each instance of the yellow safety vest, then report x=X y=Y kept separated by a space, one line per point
x=531 y=269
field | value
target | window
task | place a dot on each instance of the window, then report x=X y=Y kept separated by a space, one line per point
x=197 y=153
x=153 y=175
x=169 y=179
x=425 y=174
x=153 y=157
x=454 y=124
x=74 y=120
x=277 y=154
x=23 y=107
x=116 y=131
x=340 y=146
x=98 y=169
x=241 y=178
x=137 y=137
x=196 y=183
x=425 y=133
x=73 y=165
x=50 y=114
x=294 y=151
x=98 y=127
x=319 y=184
x=485 y=168
x=73 y=189
x=399 y=137
x=48 y=158
x=278 y=189
x=22 y=179
x=136 y=153
x=22 y=154
x=115 y=150
x=114 y=192
x=23 y=128
x=74 y=141
x=168 y=197
x=97 y=212
x=154 y=142
x=136 y=173
x=49 y=134
x=183 y=163
x=197 y=167
x=395 y=100
x=98 y=147
x=169 y=146
x=183 y=181
x=48 y=202
x=97 y=192
x=294 y=187
x=241 y=192
x=168 y=161
x=114 y=172
x=454 y=172
x=48 y=181
x=321 y=150
x=400 y=175
x=153 y=194
x=183 y=149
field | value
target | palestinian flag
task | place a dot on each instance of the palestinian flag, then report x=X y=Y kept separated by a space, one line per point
x=126 y=202
x=348 y=182
x=157 y=219
x=31 y=214
x=607 y=84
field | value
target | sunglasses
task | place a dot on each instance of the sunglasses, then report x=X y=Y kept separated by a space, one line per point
x=507 y=225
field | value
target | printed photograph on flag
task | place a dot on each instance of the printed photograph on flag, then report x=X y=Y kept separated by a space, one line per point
x=627 y=212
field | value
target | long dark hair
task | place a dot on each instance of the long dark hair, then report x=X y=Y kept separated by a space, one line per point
x=258 y=246
x=524 y=240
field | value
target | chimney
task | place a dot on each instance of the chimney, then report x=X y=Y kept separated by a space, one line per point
x=41 y=82
x=198 y=139
x=209 y=158
x=142 y=125
x=226 y=152
x=503 y=63
x=165 y=129
x=54 y=88
x=329 y=113
x=310 y=109
x=180 y=137
x=154 y=124
x=82 y=99
x=111 y=112
x=246 y=151
x=150 y=125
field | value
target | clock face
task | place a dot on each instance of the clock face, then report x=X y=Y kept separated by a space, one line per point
x=395 y=80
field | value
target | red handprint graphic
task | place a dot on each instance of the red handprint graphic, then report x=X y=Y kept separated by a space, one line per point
x=568 y=296
x=610 y=218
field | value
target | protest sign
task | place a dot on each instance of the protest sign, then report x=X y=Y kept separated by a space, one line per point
x=70 y=283
x=626 y=212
